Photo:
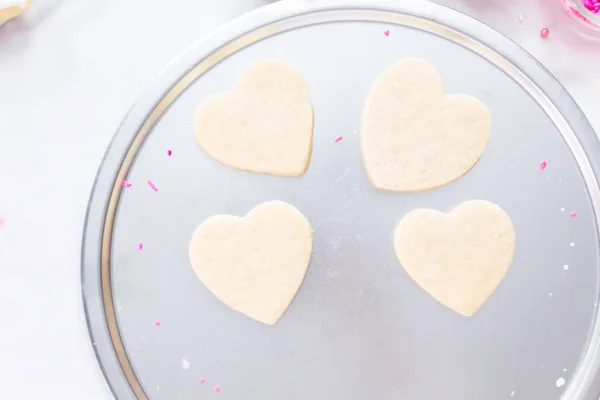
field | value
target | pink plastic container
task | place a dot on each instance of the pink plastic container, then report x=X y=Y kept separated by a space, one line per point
x=586 y=14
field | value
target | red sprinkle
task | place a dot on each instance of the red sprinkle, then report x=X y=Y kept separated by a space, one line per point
x=543 y=165
x=125 y=183
x=386 y=32
x=169 y=152
x=337 y=139
x=202 y=380
x=152 y=185
x=545 y=32
x=141 y=245
x=157 y=323
x=573 y=214
x=217 y=389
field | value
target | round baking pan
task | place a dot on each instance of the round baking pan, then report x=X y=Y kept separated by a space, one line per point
x=359 y=327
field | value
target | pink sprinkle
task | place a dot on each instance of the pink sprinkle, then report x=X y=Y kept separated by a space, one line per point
x=543 y=165
x=1 y=221
x=152 y=185
x=157 y=323
x=545 y=32
x=217 y=389
x=386 y=32
x=140 y=245
x=169 y=152
x=337 y=139
x=202 y=380
x=185 y=364
x=125 y=183
x=573 y=214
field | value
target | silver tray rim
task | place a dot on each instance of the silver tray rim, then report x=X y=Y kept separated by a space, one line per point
x=262 y=23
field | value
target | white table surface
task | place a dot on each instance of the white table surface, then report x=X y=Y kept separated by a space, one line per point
x=69 y=70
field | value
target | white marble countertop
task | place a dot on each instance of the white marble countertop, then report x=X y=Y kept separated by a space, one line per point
x=69 y=71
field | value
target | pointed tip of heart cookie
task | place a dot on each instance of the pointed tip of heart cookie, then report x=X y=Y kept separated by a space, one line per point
x=466 y=313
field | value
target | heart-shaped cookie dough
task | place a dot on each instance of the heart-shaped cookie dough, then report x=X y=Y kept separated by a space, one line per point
x=459 y=258
x=254 y=264
x=416 y=138
x=265 y=125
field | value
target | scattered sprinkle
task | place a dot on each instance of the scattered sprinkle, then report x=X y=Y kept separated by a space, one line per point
x=560 y=382
x=512 y=394
x=158 y=388
x=573 y=214
x=202 y=381
x=564 y=370
x=126 y=184
x=550 y=294
x=140 y=245
x=337 y=139
x=1 y=221
x=169 y=152
x=562 y=209
x=152 y=185
x=386 y=32
x=521 y=17
x=185 y=364
x=157 y=323
x=544 y=33
x=217 y=389
x=543 y=165
x=572 y=244
x=566 y=267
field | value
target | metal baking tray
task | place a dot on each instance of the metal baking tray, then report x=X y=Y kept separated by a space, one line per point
x=359 y=328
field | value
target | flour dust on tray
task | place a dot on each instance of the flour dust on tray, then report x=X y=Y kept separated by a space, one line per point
x=254 y=264
x=414 y=137
x=264 y=125
x=459 y=258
